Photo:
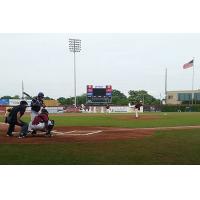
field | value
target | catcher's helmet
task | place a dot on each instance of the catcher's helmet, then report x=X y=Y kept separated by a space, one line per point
x=41 y=94
x=44 y=111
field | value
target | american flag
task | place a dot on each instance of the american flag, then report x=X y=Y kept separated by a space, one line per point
x=188 y=65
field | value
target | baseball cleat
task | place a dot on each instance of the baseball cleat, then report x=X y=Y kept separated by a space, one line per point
x=33 y=133
x=21 y=136
x=9 y=135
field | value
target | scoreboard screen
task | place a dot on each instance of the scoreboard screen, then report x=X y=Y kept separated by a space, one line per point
x=99 y=94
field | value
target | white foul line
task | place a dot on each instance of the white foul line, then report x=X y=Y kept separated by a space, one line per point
x=74 y=134
x=62 y=133
x=94 y=132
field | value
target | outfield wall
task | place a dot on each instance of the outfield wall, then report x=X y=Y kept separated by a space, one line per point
x=51 y=105
x=112 y=109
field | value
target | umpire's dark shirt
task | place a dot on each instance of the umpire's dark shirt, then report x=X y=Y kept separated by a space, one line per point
x=14 y=111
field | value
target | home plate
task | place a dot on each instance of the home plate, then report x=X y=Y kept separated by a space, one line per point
x=75 y=132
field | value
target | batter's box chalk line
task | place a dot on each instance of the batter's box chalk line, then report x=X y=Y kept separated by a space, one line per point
x=76 y=133
x=2 y=123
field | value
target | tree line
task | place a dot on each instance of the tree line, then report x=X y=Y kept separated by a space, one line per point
x=118 y=98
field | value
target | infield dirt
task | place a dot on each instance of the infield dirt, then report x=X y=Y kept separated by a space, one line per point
x=65 y=134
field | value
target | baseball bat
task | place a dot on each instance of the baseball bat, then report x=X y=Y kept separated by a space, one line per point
x=28 y=95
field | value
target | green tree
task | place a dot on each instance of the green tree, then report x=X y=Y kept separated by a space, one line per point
x=63 y=101
x=6 y=97
x=142 y=95
x=9 y=97
x=81 y=99
x=16 y=97
x=48 y=98
x=66 y=101
x=119 y=98
x=70 y=101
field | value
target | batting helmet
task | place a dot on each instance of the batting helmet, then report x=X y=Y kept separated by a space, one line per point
x=44 y=111
x=41 y=94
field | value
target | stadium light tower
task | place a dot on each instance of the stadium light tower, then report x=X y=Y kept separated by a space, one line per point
x=74 y=46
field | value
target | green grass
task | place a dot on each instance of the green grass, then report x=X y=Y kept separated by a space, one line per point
x=165 y=147
x=171 y=119
x=162 y=120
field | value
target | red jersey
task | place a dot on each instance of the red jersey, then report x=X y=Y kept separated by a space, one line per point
x=41 y=118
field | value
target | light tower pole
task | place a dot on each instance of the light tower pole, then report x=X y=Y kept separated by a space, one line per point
x=165 y=85
x=75 y=46
x=22 y=89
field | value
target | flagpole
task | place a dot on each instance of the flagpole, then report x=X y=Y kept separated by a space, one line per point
x=193 y=83
x=165 y=85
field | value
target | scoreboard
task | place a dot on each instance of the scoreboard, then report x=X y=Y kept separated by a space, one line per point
x=99 y=94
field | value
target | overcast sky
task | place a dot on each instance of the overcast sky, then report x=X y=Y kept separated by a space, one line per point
x=125 y=61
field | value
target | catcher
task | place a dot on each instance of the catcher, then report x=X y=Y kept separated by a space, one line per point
x=42 y=123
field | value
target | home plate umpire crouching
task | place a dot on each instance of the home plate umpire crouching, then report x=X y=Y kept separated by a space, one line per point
x=14 y=118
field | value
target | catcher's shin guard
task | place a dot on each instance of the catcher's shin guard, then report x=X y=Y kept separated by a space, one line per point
x=50 y=127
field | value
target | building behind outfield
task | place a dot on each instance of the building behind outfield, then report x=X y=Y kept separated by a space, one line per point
x=177 y=97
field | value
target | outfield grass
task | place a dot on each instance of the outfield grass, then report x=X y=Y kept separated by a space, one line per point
x=162 y=120
x=166 y=147
x=170 y=119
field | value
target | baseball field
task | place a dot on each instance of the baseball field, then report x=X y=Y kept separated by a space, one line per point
x=154 y=138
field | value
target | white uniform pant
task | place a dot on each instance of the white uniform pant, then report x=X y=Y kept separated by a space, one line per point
x=136 y=113
x=38 y=127
x=33 y=114
x=108 y=110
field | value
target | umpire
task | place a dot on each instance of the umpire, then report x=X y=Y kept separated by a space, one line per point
x=14 y=118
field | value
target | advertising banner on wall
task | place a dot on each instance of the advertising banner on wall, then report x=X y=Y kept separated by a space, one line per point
x=120 y=109
x=4 y=102
x=124 y=109
x=16 y=102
